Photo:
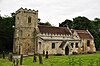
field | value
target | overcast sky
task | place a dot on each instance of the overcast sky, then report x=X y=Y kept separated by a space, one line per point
x=54 y=11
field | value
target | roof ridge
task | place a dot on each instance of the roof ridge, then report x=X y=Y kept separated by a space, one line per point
x=54 y=30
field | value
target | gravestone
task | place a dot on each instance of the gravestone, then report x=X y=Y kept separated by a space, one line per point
x=17 y=62
x=0 y=55
x=10 y=57
x=14 y=63
x=40 y=59
x=34 y=58
x=43 y=53
x=47 y=54
x=21 y=59
x=3 y=54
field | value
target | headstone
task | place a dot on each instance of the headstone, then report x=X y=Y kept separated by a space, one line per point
x=17 y=62
x=21 y=59
x=40 y=59
x=43 y=53
x=0 y=56
x=47 y=54
x=34 y=58
x=10 y=57
x=3 y=54
x=14 y=64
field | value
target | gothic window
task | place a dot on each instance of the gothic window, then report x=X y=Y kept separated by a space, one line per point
x=53 y=45
x=88 y=42
x=76 y=45
x=72 y=44
x=39 y=45
x=29 y=19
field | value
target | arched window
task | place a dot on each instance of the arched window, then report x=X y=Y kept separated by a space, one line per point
x=53 y=45
x=76 y=45
x=29 y=19
x=88 y=42
x=72 y=44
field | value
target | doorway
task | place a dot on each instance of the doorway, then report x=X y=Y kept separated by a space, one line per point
x=67 y=50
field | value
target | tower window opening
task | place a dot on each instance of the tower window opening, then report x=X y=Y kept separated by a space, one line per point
x=29 y=19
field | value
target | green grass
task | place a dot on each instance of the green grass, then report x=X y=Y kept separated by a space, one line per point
x=86 y=59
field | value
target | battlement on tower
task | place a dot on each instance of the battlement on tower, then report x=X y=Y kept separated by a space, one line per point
x=25 y=10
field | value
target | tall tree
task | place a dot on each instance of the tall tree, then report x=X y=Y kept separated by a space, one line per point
x=45 y=24
x=6 y=32
x=97 y=23
x=67 y=22
x=82 y=23
x=96 y=32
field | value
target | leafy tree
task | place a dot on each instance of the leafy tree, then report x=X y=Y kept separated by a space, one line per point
x=46 y=23
x=96 y=32
x=82 y=23
x=67 y=22
x=6 y=32
x=97 y=24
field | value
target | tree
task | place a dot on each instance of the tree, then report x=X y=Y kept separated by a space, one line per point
x=6 y=32
x=96 y=32
x=82 y=23
x=66 y=23
x=46 y=23
x=97 y=24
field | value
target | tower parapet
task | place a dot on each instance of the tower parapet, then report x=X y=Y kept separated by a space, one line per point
x=25 y=10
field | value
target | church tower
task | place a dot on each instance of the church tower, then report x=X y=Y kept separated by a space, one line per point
x=26 y=24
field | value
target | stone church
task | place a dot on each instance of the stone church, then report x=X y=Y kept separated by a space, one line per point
x=30 y=37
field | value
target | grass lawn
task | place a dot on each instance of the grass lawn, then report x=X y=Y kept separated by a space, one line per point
x=85 y=60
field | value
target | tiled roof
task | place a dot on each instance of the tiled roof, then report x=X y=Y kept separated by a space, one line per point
x=84 y=34
x=54 y=30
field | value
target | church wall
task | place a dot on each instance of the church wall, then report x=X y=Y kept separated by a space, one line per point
x=90 y=48
x=47 y=46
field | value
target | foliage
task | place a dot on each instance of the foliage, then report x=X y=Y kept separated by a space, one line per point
x=6 y=32
x=82 y=23
x=45 y=24
x=66 y=23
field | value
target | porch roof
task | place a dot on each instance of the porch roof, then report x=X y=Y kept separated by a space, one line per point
x=58 y=39
x=62 y=44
